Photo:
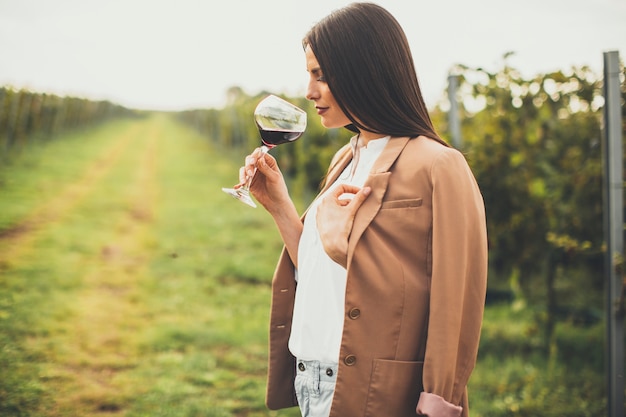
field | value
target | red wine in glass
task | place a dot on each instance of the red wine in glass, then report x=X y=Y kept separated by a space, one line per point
x=272 y=138
x=279 y=122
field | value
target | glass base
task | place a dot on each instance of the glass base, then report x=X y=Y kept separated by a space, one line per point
x=240 y=194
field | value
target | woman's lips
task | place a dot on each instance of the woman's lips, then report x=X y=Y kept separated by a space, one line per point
x=321 y=110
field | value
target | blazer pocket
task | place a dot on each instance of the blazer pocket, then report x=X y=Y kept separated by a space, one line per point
x=395 y=387
x=409 y=203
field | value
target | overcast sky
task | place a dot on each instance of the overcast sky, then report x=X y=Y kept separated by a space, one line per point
x=178 y=54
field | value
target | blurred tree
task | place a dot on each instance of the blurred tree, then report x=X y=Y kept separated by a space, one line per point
x=534 y=145
x=26 y=116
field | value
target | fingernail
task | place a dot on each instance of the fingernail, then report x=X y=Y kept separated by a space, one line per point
x=367 y=190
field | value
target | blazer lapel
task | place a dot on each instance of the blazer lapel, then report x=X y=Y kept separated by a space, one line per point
x=337 y=168
x=378 y=180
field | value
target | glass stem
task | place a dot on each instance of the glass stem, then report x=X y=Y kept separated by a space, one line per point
x=246 y=187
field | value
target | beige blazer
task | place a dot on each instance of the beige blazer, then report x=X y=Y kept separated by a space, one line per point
x=417 y=272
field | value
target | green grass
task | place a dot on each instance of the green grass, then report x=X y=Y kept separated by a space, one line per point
x=515 y=377
x=136 y=287
x=130 y=285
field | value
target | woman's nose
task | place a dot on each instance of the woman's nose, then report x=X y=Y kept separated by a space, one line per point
x=311 y=92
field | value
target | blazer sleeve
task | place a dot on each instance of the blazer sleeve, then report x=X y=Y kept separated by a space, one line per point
x=458 y=285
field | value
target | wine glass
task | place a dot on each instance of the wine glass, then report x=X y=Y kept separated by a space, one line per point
x=279 y=122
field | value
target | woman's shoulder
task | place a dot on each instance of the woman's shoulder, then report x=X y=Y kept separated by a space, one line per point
x=429 y=143
x=430 y=148
x=429 y=154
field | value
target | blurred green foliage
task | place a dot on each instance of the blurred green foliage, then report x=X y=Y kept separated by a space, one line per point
x=27 y=116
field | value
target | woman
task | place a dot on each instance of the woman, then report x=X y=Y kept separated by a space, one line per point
x=378 y=296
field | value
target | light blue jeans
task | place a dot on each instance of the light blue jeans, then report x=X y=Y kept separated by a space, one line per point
x=315 y=386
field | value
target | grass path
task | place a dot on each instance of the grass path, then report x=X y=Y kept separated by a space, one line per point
x=129 y=284
x=106 y=311
x=17 y=238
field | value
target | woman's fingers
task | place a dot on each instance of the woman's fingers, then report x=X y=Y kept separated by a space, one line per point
x=359 y=198
x=250 y=165
x=242 y=177
x=345 y=189
x=267 y=164
x=351 y=195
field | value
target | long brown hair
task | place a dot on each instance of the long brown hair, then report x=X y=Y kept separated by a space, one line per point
x=367 y=62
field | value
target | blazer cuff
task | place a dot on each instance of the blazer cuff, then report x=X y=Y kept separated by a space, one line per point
x=435 y=406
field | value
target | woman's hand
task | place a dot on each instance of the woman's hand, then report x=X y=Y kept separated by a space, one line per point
x=268 y=185
x=269 y=188
x=335 y=216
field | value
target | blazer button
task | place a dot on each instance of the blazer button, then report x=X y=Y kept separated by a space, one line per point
x=354 y=313
x=350 y=360
x=301 y=367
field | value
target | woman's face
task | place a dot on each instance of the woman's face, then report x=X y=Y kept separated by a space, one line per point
x=318 y=92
